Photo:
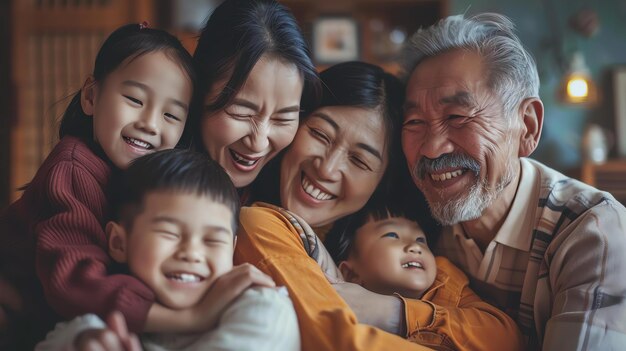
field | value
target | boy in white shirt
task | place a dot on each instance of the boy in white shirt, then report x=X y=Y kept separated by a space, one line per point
x=175 y=231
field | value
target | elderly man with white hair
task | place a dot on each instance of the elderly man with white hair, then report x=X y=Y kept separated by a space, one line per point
x=549 y=250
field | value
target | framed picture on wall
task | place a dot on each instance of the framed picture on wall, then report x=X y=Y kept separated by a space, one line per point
x=619 y=88
x=335 y=39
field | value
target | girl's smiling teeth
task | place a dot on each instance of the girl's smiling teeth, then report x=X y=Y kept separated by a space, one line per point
x=447 y=175
x=184 y=277
x=138 y=143
x=242 y=160
x=313 y=191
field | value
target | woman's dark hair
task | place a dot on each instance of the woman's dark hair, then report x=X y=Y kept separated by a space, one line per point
x=355 y=84
x=237 y=34
x=182 y=171
x=127 y=42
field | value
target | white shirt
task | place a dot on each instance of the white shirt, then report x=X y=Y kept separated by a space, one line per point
x=260 y=319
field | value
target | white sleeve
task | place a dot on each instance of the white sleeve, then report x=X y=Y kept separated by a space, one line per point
x=64 y=333
x=260 y=319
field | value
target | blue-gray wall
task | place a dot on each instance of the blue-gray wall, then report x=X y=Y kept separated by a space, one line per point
x=564 y=125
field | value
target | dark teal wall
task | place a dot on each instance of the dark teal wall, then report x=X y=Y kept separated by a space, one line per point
x=564 y=125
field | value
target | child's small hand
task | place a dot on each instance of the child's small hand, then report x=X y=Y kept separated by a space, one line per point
x=114 y=338
x=225 y=290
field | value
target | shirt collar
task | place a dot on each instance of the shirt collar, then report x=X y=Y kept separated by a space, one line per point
x=519 y=220
x=520 y=216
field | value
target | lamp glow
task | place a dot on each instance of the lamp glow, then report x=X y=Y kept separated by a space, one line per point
x=577 y=88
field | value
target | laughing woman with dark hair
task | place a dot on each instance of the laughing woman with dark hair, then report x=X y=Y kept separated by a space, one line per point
x=254 y=67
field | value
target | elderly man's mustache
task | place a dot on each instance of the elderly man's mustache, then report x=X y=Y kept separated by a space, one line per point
x=445 y=162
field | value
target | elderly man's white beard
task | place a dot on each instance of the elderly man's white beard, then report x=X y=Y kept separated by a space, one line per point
x=472 y=204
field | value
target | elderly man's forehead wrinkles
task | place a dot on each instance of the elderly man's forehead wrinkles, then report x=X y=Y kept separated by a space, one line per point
x=425 y=98
x=421 y=99
x=461 y=98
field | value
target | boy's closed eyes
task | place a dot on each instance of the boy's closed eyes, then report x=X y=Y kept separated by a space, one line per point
x=178 y=245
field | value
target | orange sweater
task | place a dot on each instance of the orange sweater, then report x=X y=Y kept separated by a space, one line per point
x=455 y=319
x=462 y=320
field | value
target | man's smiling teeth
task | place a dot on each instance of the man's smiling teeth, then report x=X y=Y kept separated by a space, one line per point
x=412 y=264
x=185 y=277
x=138 y=143
x=446 y=176
x=244 y=161
x=317 y=193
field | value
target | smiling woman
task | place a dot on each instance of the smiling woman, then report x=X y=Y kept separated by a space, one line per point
x=340 y=156
x=254 y=67
x=332 y=167
x=260 y=121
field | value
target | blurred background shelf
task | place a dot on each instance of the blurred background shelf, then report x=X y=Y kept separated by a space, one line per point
x=608 y=176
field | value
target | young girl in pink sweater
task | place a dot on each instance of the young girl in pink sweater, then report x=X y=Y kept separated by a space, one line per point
x=53 y=247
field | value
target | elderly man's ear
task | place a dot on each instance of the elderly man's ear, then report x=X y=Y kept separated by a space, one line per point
x=531 y=110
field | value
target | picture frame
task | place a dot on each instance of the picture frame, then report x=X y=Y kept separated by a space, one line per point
x=335 y=39
x=619 y=91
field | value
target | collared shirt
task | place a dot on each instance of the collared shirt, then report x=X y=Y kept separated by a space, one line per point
x=557 y=263
x=505 y=260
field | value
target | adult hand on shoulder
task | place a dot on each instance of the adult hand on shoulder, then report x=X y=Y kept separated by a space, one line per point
x=114 y=338
x=381 y=311
x=224 y=291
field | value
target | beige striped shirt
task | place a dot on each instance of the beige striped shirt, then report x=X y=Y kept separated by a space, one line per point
x=557 y=265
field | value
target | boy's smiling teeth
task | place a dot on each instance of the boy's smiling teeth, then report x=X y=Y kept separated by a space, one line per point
x=243 y=160
x=139 y=143
x=185 y=277
x=412 y=264
x=446 y=176
x=315 y=192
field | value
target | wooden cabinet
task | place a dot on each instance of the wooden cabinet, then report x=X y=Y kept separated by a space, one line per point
x=608 y=176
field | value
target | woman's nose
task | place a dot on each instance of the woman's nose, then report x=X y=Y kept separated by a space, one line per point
x=258 y=139
x=330 y=165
